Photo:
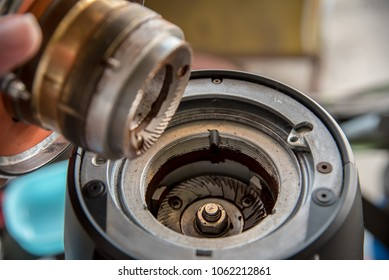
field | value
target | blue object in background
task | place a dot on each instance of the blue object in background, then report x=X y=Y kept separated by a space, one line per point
x=379 y=250
x=34 y=210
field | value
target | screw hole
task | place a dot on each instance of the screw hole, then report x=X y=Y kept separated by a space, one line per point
x=247 y=201
x=182 y=71
x=293 y=139
x=98 y=160
x=324 y=167
x=324 y=197
x=94 y=189
x=175 y=202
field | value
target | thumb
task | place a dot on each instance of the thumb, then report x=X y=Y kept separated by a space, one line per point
x=20 y=37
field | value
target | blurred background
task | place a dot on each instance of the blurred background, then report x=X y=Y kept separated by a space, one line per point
x=334 y=51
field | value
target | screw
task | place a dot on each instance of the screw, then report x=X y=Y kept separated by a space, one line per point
x=247 y=201
x=94 y=189
x=217 y=81
x=211 y=212
x=324 y=167
x=324 y=197
x=175 y=202
x=13 y=87
x=211 y=219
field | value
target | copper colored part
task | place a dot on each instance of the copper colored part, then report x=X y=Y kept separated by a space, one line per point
x=35 y=7
x=38 y=8
x=26 y=4
x=60 y=56
x=17 y=137
x=71 y=84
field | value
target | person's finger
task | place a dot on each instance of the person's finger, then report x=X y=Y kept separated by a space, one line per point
x=20 y=37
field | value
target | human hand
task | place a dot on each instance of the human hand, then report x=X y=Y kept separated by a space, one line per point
x=20 y=38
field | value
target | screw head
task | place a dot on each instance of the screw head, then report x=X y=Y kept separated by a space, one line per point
x=212 y=219
x=247 y=201
x=94 y=189
x=324 y=196
x=293 y=139
x=324 y=167
x=175 y=202
x=211 y=212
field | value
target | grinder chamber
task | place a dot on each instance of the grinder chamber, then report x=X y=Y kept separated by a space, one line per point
x=248 y=168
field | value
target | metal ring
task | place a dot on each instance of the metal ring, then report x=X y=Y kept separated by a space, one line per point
x=255 y=118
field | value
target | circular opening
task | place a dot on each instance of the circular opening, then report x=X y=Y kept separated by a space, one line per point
x=242 y=185
x=294 y=139
x=324 y=167
x=98 y=160
x=324 y=197
x=182 y=71
x=94 y=189
x=175 y=202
